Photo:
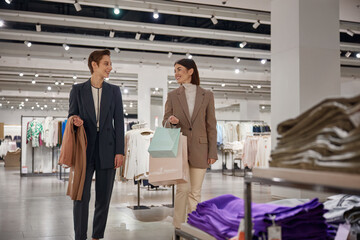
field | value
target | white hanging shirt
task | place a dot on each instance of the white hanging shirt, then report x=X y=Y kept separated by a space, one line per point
x=190 y=93
x=96 y=92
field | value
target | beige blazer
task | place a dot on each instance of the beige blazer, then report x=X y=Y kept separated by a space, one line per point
x=200 y=129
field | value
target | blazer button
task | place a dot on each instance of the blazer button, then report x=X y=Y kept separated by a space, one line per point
x=190 y=129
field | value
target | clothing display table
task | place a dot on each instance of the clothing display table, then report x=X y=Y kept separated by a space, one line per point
x=303 y=179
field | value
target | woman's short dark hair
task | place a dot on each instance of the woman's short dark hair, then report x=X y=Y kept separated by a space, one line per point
x=96 y=56
x=190 y=64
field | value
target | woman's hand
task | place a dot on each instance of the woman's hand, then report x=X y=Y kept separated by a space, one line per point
x=173 y=120
x=78 y=121
x=211 y=160
x=119 y=160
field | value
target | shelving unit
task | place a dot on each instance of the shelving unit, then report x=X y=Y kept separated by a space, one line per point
x=319 y=181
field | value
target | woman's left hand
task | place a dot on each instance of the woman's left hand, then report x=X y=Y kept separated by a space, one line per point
x=119 y=160
x=211 y=160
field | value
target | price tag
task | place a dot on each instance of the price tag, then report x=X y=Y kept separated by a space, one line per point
x=343 y=231
x=25 y=169
x=274 y=233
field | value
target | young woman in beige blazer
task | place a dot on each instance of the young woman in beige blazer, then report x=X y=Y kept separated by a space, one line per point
x=191 y=108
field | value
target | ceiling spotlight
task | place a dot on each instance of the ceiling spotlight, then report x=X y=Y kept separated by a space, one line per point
x=152 y=37
x=27 y=43
x=26 y=99
x=74 y=76
x=243 y=44
x=53 y=100
x=188 y=55
x=32 y=108
x=37 y=105
x=237 y=70
x=256 y=24
x=169 y=54
x=20 y=107
x=263 y=107
x=56 y=83
x=0 y=104
x=251 y=86
x=258 y=86
x=66 y=47
x=349 y=32
x=111 y=33
x=214 y=20
x=38 y=27
x=8 y=1
x=137 y=36
x=116 y=10
x=45 y=106
x=75 y=83
x=42 y=108
x=62 y=84
x=107 y=79
x=49 y=88
x=263 y=61
x=358 y=55
x=12 y=107
x=237 y=59
x=33 y=81
x=8 y=102
x=126 y=114
x=347 y=54
x=117 y=50
x=126 y=90
x=36 y=75
x=21 y=74
x=77 y=6
x=223 y=84
x=156 y=14
x=2 y=23
x=54 y=109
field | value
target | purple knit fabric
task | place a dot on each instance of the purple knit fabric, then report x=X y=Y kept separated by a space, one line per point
x=220 y=217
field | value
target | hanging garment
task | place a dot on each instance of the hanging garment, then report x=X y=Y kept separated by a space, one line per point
x=35 y=133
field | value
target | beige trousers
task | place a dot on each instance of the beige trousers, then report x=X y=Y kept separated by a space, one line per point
x=188 y=195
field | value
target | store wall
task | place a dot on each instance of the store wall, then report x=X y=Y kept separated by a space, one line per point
x=350 y=87
x=13 y=117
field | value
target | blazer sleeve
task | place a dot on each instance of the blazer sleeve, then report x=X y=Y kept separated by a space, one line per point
x=168 y=110
x=211 y=128
x=119 y=123
x=73 y=103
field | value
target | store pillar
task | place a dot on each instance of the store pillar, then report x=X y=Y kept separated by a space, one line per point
x=148 y=79
x=305 y=57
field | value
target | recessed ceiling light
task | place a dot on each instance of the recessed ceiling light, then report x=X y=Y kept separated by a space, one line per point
x=27 y=43
x=116 y=10
x=49 y=88
x=33 y=81
x=156 y=14
x=237 y=70
x=263 y=61
x=21 y=74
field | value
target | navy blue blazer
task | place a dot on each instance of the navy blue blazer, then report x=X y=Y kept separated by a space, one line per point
x=111 y=134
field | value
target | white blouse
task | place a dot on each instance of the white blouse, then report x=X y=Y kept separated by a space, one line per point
x=96 y=92
x=190 y=93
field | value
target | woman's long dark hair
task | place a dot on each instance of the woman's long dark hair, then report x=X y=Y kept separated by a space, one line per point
x=190 y=64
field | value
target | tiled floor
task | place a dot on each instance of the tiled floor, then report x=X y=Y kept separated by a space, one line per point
x=37 y=208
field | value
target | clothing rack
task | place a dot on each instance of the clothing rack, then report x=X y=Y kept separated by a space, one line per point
x=24 y=147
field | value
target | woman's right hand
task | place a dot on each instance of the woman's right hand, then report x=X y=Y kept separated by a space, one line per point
x=78 y=121
x=173 y=120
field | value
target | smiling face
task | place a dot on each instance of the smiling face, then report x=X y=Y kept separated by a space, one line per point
x=104 y=68
x=182 y=74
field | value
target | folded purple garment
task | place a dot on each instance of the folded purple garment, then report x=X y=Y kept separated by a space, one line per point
x=220 y=217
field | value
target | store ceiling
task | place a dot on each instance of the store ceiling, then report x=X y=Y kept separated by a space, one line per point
x=181 y=28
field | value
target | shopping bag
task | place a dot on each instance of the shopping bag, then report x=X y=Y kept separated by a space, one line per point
x=167 y=171
x=164 y=143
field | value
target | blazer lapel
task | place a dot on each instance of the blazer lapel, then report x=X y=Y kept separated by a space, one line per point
x=200 y=94
x=183 y=102
x=89 y=101
x=106 y=97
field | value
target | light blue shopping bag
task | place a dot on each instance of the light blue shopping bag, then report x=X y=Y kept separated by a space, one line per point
x=165 y=143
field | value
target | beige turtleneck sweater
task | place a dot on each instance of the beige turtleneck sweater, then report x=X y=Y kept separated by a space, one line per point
x=190 y=93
